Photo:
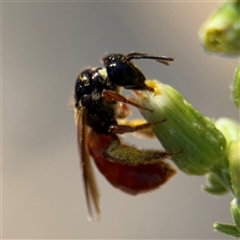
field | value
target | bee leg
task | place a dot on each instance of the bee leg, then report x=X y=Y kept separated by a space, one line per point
x=146 y=132
x=112 y=97
x=121 y=129
x=123 y=111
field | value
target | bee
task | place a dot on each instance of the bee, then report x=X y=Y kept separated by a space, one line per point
x=98 y=108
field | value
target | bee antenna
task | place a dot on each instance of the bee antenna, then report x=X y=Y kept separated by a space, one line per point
x=162 y=59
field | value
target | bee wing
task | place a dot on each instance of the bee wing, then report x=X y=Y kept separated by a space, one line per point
x=90 y=185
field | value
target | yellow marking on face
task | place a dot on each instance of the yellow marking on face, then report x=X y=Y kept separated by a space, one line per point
x=103 y=73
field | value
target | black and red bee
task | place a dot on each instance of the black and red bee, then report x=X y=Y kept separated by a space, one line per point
x=99 y=106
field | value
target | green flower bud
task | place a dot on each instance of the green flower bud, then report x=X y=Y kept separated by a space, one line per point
x=235 y=211
x=230 y=130
x=235 y=96
x=227 y=229
x=234 y=166
x=221 y=32
x=186 y=131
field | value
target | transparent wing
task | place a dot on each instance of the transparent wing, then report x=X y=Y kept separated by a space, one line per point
x=90 y=185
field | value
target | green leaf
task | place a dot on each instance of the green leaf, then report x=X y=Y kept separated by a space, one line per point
x=235 y=211
x=214 y=186
x=227 y=229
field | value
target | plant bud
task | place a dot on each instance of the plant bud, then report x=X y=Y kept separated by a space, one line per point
x=221 y=32
x=199 y=143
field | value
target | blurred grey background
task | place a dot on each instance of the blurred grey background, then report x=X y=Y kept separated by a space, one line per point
x=44 y=47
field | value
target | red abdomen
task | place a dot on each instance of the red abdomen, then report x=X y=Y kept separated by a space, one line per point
x=130 y=179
